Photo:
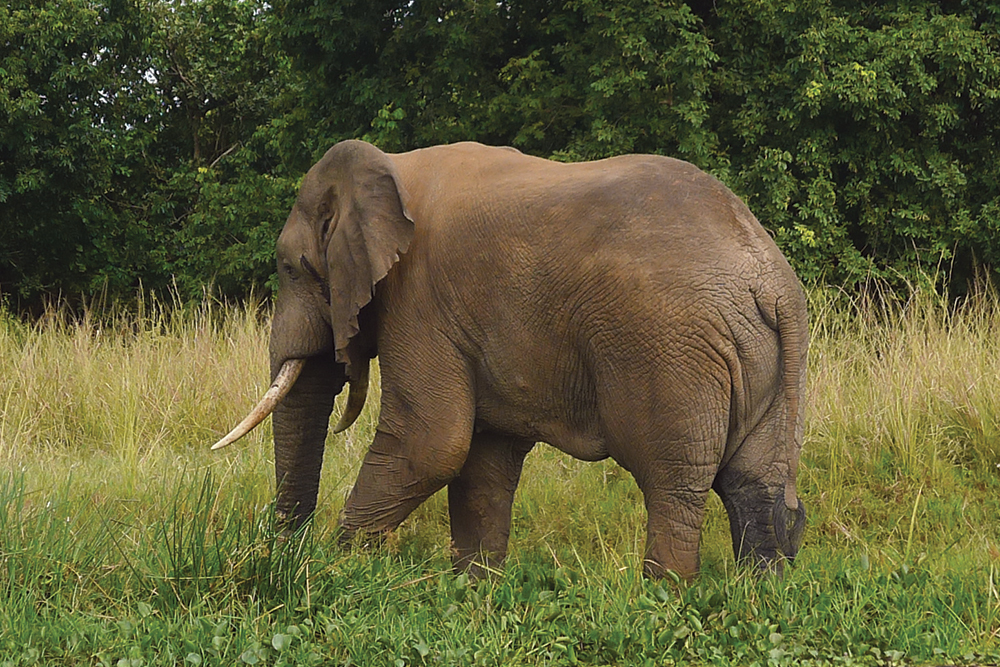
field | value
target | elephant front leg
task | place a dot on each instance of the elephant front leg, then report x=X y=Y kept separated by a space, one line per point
x=480 y=500
x=400 y=472
x=422 y=441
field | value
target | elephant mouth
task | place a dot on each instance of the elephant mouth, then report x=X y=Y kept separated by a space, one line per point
x=283 y=382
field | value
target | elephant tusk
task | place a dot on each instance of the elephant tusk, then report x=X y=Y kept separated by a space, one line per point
x=289 y=372
x=355 y=400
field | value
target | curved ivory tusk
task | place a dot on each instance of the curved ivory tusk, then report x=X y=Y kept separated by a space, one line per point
x=355 y=400
x=279 y=388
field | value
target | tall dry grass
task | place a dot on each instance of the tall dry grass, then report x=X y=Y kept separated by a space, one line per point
x=901 y=451
x=903 y=438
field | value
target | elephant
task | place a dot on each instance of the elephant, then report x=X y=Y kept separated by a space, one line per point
x=630 y=307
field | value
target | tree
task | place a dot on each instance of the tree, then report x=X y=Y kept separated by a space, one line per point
x=139 y=145
x=579 y=79
x=71 y=85
x=222 y=185
x=161 y=141
x=864 y=134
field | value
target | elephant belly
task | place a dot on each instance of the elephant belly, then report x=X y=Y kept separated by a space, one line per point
x=579 y=442
x=545 y=397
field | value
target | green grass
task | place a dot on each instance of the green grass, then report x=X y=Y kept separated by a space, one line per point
x=125 y=541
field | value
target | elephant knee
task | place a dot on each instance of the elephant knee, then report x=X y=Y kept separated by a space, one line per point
x=417 y=460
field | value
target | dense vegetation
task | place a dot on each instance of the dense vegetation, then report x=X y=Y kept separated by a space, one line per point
x=159 y=142
x=125 y=542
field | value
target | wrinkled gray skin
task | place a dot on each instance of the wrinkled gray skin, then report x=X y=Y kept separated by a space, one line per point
x=631 y=308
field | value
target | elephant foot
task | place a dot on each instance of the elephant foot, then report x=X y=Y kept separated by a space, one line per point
x=360 y=539
x=476 y=566
x=654 y=570
x=289 y=524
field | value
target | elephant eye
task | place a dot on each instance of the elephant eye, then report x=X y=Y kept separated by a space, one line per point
x=324 y=288
x=309 y=269
x=289 y=270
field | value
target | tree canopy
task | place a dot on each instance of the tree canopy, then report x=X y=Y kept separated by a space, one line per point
x=160 y=142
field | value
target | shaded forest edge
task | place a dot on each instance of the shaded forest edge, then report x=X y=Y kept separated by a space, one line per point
x=160 y=144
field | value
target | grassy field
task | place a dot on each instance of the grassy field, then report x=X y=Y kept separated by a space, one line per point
x=124 y=541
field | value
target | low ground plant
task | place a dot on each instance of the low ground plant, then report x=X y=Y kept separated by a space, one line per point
x=124 y=541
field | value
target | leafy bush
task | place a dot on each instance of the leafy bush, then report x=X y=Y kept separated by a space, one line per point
x=138 y=146
x=863 y=135
x=158 y=142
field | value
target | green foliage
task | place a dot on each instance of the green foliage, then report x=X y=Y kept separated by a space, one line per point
x=160 y=142
x=70 y=84
x=139 y=146
x=209 y=584
x=861 y=135
x=222 y=190
x=578 y=80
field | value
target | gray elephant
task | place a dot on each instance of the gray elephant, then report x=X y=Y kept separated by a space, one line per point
x=631 y=307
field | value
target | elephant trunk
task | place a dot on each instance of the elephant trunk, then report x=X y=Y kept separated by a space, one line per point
x=300 y=425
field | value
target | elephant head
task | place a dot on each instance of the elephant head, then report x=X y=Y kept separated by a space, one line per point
x=347 y=229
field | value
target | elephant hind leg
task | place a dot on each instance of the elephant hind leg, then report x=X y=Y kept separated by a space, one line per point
x=480 y=500
x=673 y=454
x=751 y=485
x=674 y=513
x=674 y=470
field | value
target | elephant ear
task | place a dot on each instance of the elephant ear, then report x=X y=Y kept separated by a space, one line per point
x=371 y=228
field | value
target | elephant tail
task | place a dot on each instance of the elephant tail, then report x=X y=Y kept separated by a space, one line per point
x=793 y=331
x=786 y=314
